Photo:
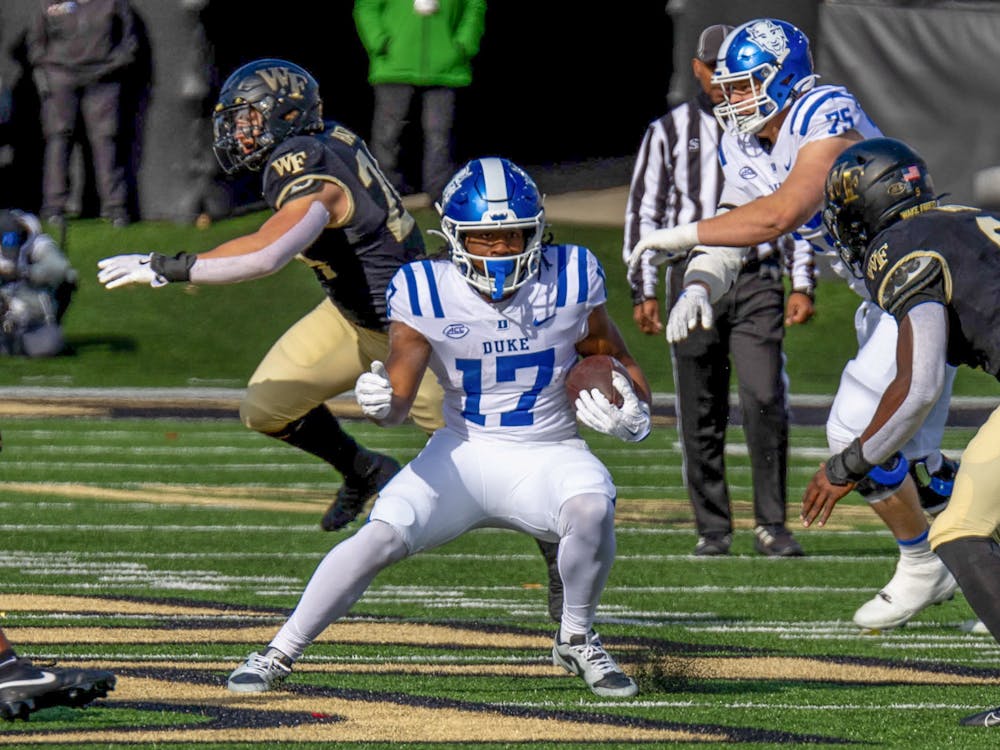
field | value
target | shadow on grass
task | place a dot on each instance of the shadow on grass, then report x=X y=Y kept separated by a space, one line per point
x=79 y=344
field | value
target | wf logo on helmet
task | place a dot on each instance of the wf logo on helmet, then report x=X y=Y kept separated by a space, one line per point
x=279 y=78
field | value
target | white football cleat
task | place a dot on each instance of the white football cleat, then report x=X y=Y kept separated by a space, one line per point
x=260 y=671
x=584 y=655
x=914 y=587
x=977 y=627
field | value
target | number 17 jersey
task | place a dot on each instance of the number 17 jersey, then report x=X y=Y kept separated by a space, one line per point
x=503 y=365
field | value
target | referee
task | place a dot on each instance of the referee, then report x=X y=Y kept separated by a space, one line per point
x=678 y=179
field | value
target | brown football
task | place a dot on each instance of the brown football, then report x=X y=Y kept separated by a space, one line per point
x=595 y=372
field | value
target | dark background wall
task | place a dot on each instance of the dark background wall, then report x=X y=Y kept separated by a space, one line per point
x=557 y=82
x=566 y=88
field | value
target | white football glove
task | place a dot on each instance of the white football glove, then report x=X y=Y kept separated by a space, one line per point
x=629 y=422
x=373 y=392
x=669 y=245
x=693 y=305
x=121 y=270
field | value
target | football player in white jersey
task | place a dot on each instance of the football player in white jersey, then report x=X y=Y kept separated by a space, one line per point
x=782 y=134
x=499 y=321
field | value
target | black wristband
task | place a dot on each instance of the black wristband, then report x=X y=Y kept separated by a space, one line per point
x=848 y=466
x=173 y=268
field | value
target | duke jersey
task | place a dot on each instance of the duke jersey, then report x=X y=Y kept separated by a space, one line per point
x=503 y=365
x=752 y=171
x=355 y=261
x=949 y=255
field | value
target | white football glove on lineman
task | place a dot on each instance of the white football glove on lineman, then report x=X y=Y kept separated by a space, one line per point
x=121 y=270
x=629 y=422
x=669 y=245
x=373 y=392
x=693 y=305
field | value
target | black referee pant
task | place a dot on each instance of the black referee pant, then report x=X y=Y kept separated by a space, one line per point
x=748 y=334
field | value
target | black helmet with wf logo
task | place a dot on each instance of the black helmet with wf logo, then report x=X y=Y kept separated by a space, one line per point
x=261 y=104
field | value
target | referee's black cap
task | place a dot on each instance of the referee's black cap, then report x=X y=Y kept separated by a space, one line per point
x=710 y=41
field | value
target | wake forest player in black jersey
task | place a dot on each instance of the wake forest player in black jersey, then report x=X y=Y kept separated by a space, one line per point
x=334 y=210
x=936 y=270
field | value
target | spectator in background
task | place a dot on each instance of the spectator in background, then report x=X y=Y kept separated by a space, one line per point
x=36 y=284
x=78 y=52
x=678 y=178
x=425 y=48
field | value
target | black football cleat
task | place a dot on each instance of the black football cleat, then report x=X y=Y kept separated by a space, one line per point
x=776 y=541
x=550 y=551
x=25 y=688
x=355 y=491
x=990 y=718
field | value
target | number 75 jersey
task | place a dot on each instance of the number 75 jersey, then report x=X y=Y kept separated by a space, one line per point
x=503 y=365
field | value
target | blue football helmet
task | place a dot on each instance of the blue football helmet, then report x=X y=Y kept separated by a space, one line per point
x=260 y=105
x=772 y=58
x=490 y=194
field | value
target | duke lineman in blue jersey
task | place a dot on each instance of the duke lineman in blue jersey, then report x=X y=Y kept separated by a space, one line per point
x=500 y=323
x=782 y=134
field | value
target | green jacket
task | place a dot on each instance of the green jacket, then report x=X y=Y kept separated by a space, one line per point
x=406 y=47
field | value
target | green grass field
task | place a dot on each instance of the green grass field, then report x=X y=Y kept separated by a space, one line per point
x=183 y=335
x=167 y=549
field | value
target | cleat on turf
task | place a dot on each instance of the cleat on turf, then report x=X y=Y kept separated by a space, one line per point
x=584 y=655
x=713 y=545
x=25 y=688
x=550 y=551
x=989 y=718
x=355 y=491
x=913 y=588
x=260 y=671
x=776 y=541
x=977 y=627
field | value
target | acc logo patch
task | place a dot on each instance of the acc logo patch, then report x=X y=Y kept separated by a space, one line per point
x=456 y=330
x=747 y=173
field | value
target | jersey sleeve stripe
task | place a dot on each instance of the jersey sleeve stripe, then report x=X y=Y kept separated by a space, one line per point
x=413 y=288
x=432 y=288
x=804 y=128
x=583 y=290
x=561 y=276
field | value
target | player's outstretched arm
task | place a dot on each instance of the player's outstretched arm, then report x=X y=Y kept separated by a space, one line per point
x=288 y=232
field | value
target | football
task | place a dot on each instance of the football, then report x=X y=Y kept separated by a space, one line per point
x=595 y=372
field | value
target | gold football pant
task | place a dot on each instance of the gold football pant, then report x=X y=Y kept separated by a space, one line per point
x=318 y=358
x=974 y=508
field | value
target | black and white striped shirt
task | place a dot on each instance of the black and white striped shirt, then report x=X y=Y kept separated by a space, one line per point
x=678 y=179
